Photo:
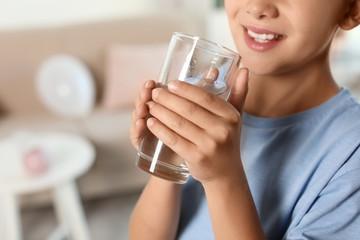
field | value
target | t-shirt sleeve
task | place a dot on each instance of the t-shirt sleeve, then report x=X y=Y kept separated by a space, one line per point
x=335 y=214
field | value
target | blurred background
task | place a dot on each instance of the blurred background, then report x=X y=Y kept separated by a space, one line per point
x=69 y=74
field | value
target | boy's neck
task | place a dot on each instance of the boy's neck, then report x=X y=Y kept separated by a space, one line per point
x=285 y=94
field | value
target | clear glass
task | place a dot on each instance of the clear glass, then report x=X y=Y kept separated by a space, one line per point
x=190 y=59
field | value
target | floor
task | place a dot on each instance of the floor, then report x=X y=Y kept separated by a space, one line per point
x=107 y=218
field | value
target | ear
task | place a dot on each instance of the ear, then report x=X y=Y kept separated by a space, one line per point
x=352 y=16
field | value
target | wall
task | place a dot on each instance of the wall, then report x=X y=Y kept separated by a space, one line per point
x=36 y=13
x=217 y=28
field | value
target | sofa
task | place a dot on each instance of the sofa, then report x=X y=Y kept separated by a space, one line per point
x=99 y=45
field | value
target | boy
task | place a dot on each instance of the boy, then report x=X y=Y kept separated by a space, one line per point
x=296 y=136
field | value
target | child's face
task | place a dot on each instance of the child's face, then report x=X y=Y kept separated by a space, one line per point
x=278 y=36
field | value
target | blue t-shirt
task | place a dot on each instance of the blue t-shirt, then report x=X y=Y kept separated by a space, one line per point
x=303 y=171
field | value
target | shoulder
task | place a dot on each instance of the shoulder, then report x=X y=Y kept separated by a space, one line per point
x=334 y=211
x=335 y=214
x=351 y=167
x=339 y=124
x=348 y=107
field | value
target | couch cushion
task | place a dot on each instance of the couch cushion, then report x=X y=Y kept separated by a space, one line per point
x=127 y=67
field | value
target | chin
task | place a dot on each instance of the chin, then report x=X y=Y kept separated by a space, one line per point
x=261 y=68
x=265 y=66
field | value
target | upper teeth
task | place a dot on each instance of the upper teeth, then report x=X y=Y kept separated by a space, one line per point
x=263 y=37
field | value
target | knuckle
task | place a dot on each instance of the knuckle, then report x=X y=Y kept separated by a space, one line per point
x=199 y=159
x=179 y=122
x=141 y=111
x=190 y=109
x=145 y=94
x=234 y=117
x=211 y=147
x=172 y=139
x=207 y=97
x=223 y=134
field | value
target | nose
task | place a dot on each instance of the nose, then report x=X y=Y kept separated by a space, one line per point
x=260 y=9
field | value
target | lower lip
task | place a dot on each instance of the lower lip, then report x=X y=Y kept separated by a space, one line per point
x=257 y=46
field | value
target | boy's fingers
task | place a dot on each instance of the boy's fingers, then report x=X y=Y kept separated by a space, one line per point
x=133 y=116
x=137 y=101
x=193 y=99
x=210 y=76
x=145 y=92
x=140 y=112
x=136 y=132
x=239 y=90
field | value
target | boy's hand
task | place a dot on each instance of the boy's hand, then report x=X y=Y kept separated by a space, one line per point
x=239 y=90
x=140 y=113
x=201 y=127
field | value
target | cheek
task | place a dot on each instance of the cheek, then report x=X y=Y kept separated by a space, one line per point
x=234 y=24
x=228 y=5
x=317 y=26
x=232 y=9
x=313 y=40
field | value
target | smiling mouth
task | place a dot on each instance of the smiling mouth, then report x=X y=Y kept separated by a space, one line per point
x=264 y=37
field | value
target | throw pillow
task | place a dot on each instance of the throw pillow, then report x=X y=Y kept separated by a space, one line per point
x=127 y=67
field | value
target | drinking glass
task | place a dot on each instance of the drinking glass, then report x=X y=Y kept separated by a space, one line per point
x=197 y=61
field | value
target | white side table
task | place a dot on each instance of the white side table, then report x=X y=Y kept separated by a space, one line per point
x=72 y=156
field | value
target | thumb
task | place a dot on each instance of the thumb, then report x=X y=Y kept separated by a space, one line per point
x=239 y=89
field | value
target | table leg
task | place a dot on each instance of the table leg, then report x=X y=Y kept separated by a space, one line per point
x=70 y=211
x=10 y=224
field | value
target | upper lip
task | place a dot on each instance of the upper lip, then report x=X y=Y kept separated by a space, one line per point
x=262 y=31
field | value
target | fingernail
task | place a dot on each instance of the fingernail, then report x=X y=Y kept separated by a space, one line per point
x=210 y=75
x=150 y=104
x=155 y=93
x=150 y=122
x=173 y=85
x=148 y=84
x=137 y=123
